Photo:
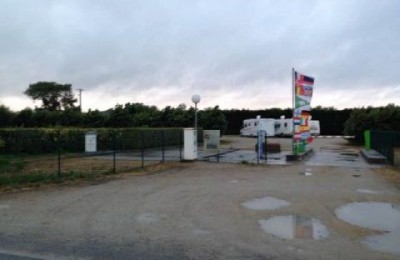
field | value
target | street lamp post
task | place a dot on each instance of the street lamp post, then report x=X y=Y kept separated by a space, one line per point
x=80 y=98
x=195 y=100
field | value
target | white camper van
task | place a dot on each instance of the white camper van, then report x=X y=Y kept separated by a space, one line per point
x=284 y=127
x=251 y=126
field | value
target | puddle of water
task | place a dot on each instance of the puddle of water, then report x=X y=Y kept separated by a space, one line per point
x=350 y=154
x=378 y=216
x=234 y=181
x=265 y=203
x=345 y=160
x=331 y=149
x=147 y=218
x=373 y=215
x=369 y=191
x=389 y=243
x=294 y=226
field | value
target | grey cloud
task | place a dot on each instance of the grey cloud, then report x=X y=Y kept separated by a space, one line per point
x=198 y=45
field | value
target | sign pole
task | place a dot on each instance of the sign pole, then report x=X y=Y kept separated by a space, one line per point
x=294 y=107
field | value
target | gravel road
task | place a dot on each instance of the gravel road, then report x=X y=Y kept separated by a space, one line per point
x=194 y=211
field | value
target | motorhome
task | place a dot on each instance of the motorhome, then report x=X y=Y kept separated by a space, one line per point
x=251 y=126
x=314 y=128
x=284 y=127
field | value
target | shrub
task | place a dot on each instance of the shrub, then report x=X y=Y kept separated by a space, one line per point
x=1 y=144
x=49 y=140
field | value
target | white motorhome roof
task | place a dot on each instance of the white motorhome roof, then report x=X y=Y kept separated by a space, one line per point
x=261 y=119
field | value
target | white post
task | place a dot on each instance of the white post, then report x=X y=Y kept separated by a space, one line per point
x=195 y=116
x=195 y=100
x=294 y=106
x=190 y=144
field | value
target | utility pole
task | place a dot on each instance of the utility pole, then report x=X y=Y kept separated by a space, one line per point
x=80 y=98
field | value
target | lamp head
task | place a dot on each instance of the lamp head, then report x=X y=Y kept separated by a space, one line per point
x=196 y=98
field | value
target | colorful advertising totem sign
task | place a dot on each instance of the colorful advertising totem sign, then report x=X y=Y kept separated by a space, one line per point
x=302 y=94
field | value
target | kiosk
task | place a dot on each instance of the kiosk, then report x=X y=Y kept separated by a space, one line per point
x=190 y=144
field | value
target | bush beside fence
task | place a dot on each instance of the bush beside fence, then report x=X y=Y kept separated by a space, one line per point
x=44 y=140
x=36 y=155
x=384 y=142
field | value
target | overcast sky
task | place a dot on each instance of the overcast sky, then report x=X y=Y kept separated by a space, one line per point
x=235 y=54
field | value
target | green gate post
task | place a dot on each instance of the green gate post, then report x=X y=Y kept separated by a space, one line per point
x=367 y=140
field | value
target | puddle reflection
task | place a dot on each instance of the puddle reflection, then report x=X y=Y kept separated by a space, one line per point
x=294 y=226
x=377 y=216
x=367 y=191
x=373 y=215
x=265 y=203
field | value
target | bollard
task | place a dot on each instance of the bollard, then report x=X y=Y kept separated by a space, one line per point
x=114 y=152
x=163 y=145
x=59 y=152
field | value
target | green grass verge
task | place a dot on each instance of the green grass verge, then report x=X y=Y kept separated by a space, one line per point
x=16 y=179
x=9 y=163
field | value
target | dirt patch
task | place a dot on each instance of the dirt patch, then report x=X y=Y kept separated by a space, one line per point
x=391 y=174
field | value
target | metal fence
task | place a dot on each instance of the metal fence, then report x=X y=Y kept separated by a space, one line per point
x=384 y=142
x=59 y=153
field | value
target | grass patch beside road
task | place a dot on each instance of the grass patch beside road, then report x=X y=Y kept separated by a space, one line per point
x=9 y=163
x=24 y=180
x=17 y=180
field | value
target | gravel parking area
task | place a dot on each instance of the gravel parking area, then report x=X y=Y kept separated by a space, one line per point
x=204 y=210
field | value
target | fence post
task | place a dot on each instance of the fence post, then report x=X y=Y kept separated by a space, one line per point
x=59 y=153
x=367 y=140
x=114 y=152
x=142 y=148
x=163 y=145
x=265 y=148
x=180 y=145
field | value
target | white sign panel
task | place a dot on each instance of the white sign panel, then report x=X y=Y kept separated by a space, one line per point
x=211 y=139
x=91 y=142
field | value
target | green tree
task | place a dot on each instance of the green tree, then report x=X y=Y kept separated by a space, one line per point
x=45 y=118
x=213 y=119
x=25 y=118
x=6 y=116
x=119 y=117
x=71 y=117
x=372 y=118
x=94 y=119
x=54 y=96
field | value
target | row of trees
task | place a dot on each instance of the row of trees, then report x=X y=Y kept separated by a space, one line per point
x=58 y=109
x=372 y=118
x=128 y=115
